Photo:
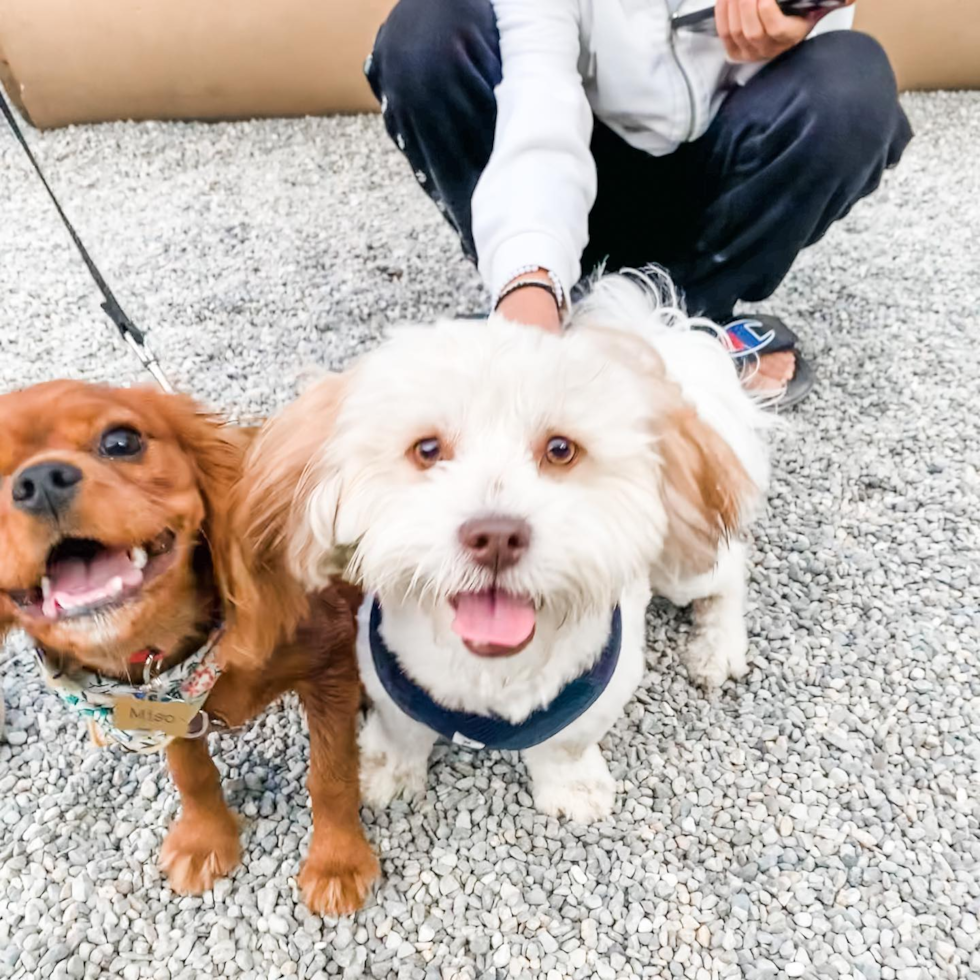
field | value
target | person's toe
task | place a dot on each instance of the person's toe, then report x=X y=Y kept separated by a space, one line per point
x=780 y=366
x=773 y=372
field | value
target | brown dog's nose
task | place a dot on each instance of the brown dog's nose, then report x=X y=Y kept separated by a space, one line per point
x=495 y=542
x=46 y=490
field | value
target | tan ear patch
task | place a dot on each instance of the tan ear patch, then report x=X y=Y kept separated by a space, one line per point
x=278 y=480
x=704 y=489
x=704 y=485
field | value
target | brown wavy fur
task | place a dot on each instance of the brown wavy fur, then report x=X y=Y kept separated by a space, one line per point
x=277 y=639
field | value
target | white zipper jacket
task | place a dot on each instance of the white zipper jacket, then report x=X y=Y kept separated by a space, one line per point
x=563 y=61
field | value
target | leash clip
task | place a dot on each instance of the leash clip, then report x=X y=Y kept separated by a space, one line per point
x=148 y=359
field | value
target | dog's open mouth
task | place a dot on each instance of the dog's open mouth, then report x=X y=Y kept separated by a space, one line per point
x=492 y=623
x=84 y=576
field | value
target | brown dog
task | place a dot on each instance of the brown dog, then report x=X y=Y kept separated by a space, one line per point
x=119 y=555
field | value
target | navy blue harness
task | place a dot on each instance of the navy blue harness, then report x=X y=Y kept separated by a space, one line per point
x=490 y=731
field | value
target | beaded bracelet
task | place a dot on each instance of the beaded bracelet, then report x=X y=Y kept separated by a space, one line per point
x=521 y=284
x=556 y=289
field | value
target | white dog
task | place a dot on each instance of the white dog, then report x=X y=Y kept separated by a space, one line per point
x=508 y=497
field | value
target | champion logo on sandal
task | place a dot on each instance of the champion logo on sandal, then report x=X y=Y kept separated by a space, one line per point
x=744 y=337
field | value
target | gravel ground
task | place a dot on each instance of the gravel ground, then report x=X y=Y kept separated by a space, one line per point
x=818 y=820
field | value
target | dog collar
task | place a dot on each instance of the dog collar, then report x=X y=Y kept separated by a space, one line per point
x=491 y=731
x=96 y=698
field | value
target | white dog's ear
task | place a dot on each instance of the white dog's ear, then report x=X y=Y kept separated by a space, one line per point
x=704 y=488
x=288 y=496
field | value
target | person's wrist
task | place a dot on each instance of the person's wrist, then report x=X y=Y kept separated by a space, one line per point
x=538 y=277
x=532 y=307
x=531 y=304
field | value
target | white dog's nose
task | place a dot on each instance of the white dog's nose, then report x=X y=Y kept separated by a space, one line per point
x=495 y=542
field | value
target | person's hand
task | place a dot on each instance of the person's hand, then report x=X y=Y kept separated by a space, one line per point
x=532 y=306
x=757 y=30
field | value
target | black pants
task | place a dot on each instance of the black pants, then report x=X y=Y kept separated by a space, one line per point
x=787 y=155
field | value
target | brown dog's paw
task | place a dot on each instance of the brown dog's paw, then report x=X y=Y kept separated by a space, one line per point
x=335 y=880
x=198 y=851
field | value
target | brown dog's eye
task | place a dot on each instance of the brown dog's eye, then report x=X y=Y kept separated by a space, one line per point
x=427 y=452
x=560 y=451
x=121 y=443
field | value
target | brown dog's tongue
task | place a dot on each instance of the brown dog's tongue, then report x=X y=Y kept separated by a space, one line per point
x=76 y=582
x=493 y=618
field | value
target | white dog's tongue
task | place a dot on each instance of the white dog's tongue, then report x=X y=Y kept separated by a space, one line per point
x=493 y=618
x=75 y=582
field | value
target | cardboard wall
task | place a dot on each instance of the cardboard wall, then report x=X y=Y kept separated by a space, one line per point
x=66 y=61
x=933 y=44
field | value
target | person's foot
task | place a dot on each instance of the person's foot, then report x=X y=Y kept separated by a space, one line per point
x=773 y=373
x=765 y=351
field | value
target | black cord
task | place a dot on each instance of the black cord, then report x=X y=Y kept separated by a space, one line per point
x=111 y=305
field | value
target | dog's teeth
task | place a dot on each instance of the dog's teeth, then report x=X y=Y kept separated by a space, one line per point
x=115 y=585
x=45 y=588
x=139 y=558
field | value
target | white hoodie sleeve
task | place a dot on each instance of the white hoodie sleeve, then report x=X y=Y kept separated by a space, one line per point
x=836 y=20
x=531 y=205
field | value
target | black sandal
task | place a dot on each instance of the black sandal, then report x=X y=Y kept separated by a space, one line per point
x=762 y=334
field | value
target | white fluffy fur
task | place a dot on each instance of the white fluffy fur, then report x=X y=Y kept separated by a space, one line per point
x=495 y=392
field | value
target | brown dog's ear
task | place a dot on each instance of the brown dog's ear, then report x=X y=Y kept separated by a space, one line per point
x=259 y=609
x=704 y=488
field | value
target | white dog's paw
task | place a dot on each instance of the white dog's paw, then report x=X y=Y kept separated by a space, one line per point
x=386 y=770
x=715 y=654
x=385 y=777
x=583 y=792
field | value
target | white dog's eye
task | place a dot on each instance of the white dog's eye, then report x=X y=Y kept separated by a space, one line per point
x=427 y=452
x=560 y=451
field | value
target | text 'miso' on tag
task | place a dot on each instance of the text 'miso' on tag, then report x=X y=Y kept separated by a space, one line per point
x=145 y=715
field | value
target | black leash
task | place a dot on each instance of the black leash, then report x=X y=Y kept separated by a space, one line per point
x=128 y=330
